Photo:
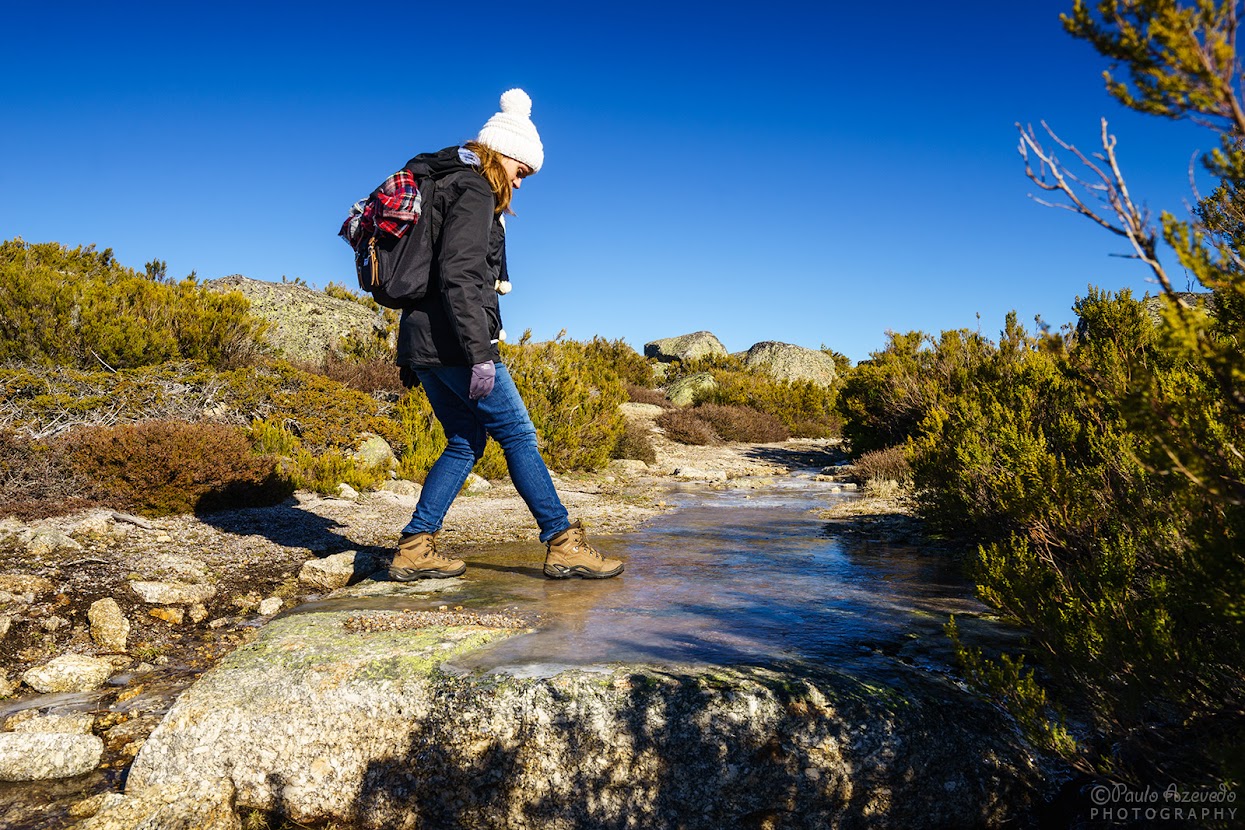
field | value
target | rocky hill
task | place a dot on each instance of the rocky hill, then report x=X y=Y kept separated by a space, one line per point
x=303 y=323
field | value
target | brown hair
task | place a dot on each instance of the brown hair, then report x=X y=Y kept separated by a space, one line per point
x=495 y=174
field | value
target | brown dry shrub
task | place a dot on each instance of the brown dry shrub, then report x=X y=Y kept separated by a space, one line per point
x=684 y=426
x=742 y=423
x=167 y=467
x=642 y=394
x=37 y=481
x=635 y=443
x=370 y=375
x=889 y=464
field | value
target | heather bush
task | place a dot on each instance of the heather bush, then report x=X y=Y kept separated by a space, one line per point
x=422 y=440
x=742 y=423
x=635 y=443
x=322 y=413
x=684 y=426
x=1053 y=456
x=79 y=308
x=805 y=408
x=165 y=467
x=629 y=365
x=643 y=394
x=364 y=374
x=885 y=398
x=890 y=464
x=572 y=391
x=38 y=480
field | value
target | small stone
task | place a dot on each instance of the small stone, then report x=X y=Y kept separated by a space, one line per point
x=695 y=474
x=172 y=593
x=7 y=687
x=628 y=467
x=79 y=724
x=850 y=486
x=6 y=622
x=375 y=451
x=197 y=613
x=25 y=584
x=345 y=491
x=119 y=532
x=54 y=623
x=43 y=756
x=270 y=606
x=402 y=487
x=68 y=673
x=337 y=571
x=219 y=622
x=94 y=526
x=88 y=807
x=164 y=537
x=109 y=627
x=245 y=602
x=49 y=540
x=172 y=615
x=476 y=484
x=172 y=567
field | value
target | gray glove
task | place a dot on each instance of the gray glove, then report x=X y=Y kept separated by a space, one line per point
x=482 y=378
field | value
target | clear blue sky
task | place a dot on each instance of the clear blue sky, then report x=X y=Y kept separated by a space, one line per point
x=812 y=173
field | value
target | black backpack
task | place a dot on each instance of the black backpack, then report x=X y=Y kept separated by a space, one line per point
x=393 y=248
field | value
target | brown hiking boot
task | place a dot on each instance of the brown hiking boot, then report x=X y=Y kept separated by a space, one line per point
x=417 y=558
x=571 y=555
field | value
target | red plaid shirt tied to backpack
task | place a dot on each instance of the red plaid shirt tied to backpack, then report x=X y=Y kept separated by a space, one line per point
x=391 y=246
x=391 y=209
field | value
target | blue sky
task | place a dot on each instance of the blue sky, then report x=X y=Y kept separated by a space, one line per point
x=810 y=173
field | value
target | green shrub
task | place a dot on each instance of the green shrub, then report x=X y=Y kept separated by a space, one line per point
x=805 y=408
x=684 y=426
x=1090 y=472
x=80 y=308
x=422 y=440
x=742 y=423
x=625 y=362
x=572 y=391
x=166 y=467
x=885 y=398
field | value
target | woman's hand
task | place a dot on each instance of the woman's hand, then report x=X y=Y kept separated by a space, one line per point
x=482 y=377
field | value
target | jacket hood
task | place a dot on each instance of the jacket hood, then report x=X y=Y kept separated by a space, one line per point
x=437 y=164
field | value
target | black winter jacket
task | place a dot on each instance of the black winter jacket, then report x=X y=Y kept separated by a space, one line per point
x=457 y=322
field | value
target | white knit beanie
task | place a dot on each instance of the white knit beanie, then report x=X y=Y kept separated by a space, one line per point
x=511 y=131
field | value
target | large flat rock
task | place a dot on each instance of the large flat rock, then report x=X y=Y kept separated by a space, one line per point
x=327 y=724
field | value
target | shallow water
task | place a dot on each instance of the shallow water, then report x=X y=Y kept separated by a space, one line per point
x=732 y=576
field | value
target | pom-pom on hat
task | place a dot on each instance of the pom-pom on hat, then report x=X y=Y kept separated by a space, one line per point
x=511 y=131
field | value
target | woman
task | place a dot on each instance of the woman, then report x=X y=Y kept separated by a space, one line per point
x=448 y=343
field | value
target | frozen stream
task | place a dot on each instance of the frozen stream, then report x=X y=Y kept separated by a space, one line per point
x=732 y=576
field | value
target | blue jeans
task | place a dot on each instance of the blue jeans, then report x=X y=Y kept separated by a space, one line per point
x=467 y=425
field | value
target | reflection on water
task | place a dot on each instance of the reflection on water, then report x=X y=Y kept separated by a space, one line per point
x=732 y=576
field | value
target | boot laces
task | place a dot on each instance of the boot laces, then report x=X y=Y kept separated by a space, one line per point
x=578 y=542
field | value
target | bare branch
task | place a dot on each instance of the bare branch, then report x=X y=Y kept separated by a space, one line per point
x=1114 y=208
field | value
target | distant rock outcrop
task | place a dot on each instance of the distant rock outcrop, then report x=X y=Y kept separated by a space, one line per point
x=1154 y=305
x=784 y=361
x=685 y=347
x=303 y=323
x=685 y=391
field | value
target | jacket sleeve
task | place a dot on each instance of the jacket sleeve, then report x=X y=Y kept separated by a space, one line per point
x=464 y=266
